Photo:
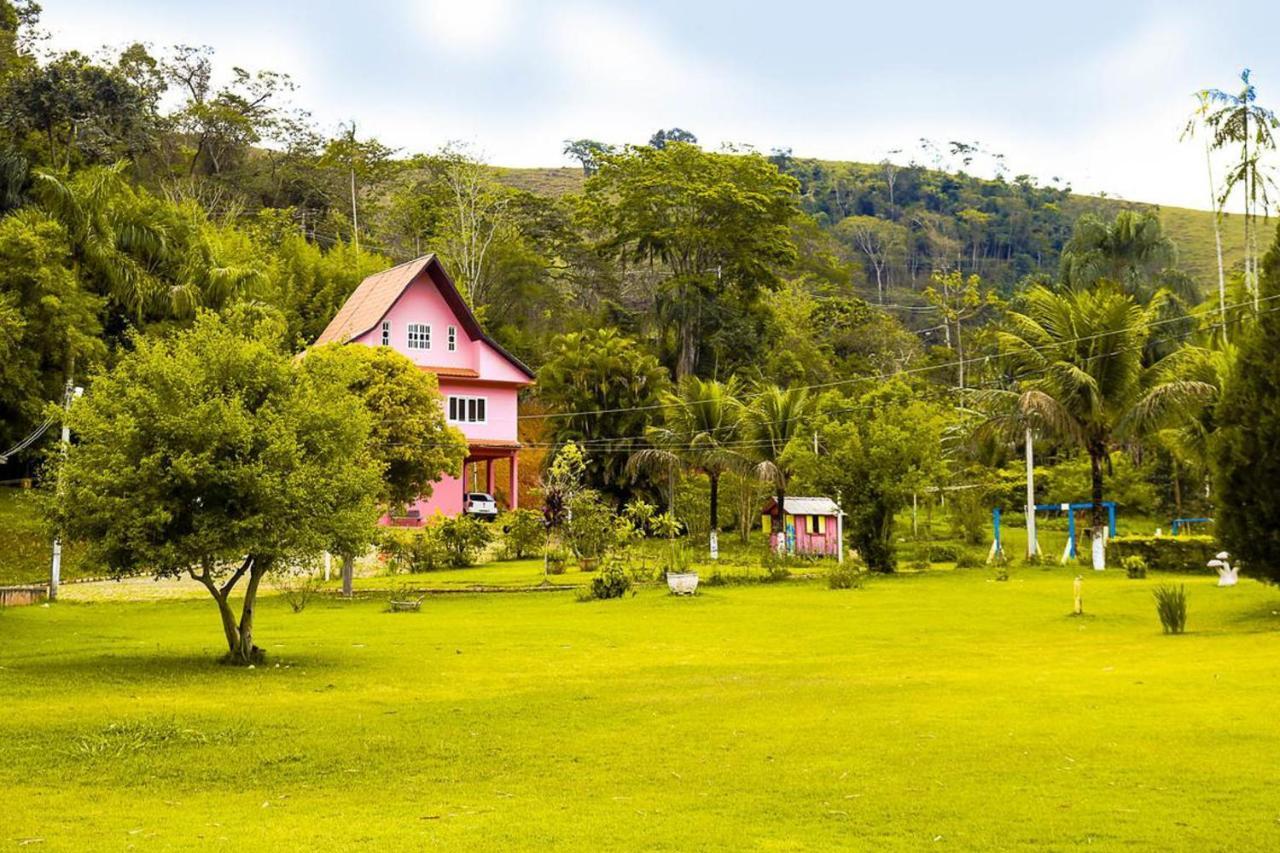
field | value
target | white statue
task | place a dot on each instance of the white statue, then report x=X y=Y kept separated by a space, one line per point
x=1228 y=575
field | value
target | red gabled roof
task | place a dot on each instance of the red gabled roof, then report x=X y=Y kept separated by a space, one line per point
x=371 y=301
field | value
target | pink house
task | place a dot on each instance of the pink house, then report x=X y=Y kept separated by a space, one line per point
x=416 y=309
x=813 y=526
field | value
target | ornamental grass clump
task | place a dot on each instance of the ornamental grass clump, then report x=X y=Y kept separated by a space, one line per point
x=1171 y=607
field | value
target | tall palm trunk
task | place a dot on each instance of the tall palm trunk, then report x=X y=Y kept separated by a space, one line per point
x=1217 y=241
x=1097 y=455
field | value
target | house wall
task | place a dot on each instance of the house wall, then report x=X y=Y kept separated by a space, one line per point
x=817 y=543
x=422 y=302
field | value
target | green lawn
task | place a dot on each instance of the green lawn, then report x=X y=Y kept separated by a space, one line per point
x=935 y=708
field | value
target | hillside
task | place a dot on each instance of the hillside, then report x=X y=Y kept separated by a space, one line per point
x=1191 y=229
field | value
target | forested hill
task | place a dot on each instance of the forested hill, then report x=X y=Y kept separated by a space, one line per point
x=1004 y=230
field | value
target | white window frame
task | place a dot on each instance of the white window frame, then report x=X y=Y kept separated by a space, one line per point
x=418 y=336
x=467 y=409
x=453 y=338
x=386 y=333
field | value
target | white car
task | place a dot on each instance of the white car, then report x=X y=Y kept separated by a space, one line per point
x=480 y=505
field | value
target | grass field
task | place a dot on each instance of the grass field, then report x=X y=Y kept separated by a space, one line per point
x=941 y=709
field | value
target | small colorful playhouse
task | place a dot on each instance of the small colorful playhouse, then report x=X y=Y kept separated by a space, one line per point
x=813 y=526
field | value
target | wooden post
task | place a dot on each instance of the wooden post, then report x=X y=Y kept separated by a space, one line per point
x=512 y=500
x=490 y=483
x=1077 y=589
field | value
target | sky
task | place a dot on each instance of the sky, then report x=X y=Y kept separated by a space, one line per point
x=1093 y=93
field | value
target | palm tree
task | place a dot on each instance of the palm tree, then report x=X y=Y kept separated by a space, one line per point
x=1131 y=251
x=1077 y=358
x=1197 y=118
x=700 y=433
x=1240 y=120
x=770 y=422
x=1177 y=408
x=114 y=249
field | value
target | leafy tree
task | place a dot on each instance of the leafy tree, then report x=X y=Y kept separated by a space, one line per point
x=587 y=152
x=1243 y=451
x=700 y=432
x=719 y=225
x=408 y=435
x=366 y=163
x=225 y=122
x=215 y=456
x=602 y=390
x=663 y=138
x=958 y=300
x=881 y=242
x=873 y=452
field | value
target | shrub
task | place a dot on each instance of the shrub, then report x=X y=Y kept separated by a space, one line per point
x=556 y=561
x=970 y=559
x=775 y=566
x=1134 y=566
x=1171 y=607
x=612 y=582
x=716 y=579
x=464 y=538
x=942 y=553
x=1185 y=554
x=589 y=529
x=523 y=534
x=844 y=576
x=298 y=588
x=415 y=550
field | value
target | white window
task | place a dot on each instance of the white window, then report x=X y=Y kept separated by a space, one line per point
x=467 y=410
x=453 y=338
x=419 y=336
x=386 y=333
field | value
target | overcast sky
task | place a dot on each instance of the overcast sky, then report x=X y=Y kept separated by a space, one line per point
x=1092 y=92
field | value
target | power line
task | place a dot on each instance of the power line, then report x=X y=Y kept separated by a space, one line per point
x=883 y=376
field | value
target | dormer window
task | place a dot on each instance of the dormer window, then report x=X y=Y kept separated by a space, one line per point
x=419 y=336
x=386 y=333
x=453 y=338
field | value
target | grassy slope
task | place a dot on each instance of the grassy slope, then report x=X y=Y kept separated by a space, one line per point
x=1192 y=230
x=941 y=707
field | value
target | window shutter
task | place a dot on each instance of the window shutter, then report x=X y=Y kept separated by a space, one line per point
x=822 y=524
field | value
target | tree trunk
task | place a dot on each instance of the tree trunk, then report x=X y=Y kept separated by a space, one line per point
x=1098 y=520
x=245 y=652
x=1177 y=490
x=715 y=514
x=348 y=573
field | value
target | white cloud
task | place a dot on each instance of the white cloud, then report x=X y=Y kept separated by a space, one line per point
x=471 y=27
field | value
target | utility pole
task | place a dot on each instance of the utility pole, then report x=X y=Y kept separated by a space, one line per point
x=55 y=571
x=1032 y=547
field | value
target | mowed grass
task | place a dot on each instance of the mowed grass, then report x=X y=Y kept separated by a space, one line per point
x=940 y=709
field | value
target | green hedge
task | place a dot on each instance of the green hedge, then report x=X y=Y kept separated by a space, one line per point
x=1186 y=554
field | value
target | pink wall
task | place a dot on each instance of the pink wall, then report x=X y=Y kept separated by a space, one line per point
x=422 y=302
x=817 y=543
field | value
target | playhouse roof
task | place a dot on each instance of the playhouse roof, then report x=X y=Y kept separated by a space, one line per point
x=371 y=301
x=806 y=506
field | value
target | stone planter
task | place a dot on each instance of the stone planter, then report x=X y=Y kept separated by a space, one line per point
x=682 y=583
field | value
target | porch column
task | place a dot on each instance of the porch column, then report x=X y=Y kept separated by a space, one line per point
x=488 y=475
x=515 y=481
